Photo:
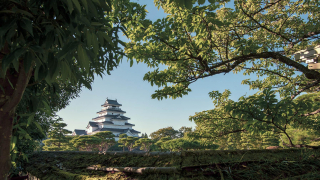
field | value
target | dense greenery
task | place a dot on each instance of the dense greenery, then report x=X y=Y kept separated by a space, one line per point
x=27 y=135
x=56 y=137
x=164 y=132
x=253 y=37
x=42 y=41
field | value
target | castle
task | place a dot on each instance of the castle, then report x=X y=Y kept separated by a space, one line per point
x=110 y=118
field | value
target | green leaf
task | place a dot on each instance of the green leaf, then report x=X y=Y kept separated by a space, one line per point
x=85 y=4
x=68 y=48
x=39 y=127
x=26 y=24
x=66 y=71
x=188 y=4
x=36 y=72
x=47 y=107
x=6 y=61
x=131 y=63
x=24 y=12
x=77 y=4
x=83 y=58
x=106 y=37
x=28 y=58
x=201 y=2
x=70 y=5
x=35 y=103
x=13 y=142
x=23 y=133
x=95 y=44
x=30 y=119
x=89 y=38
x=37 y=49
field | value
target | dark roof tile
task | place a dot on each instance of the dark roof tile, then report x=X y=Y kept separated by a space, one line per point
x=111 y=102
x=80 y=132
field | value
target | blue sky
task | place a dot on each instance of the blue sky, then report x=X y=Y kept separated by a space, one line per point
x=127 y=86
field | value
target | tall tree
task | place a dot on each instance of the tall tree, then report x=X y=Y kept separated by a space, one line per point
x=57 y=136
x=258 y=37
x=86 y=142
x=59 y=96
x=127 y=141
x=107 y=140
x=185 y=144
x=42 y=40
x=184 y=130
x=144 y=143
x=164 y=132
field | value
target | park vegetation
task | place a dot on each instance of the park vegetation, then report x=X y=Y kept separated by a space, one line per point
x=49 y=50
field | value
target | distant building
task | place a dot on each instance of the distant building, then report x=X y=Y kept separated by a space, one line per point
x=110 y=118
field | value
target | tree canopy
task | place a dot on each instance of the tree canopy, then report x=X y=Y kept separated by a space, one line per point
x=252 y=37
x=41 y=41
x=164 y=132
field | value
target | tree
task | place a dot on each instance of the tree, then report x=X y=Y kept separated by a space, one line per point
x=258 y=114
x=127 y=141
x=159 y=144
x=252 y=37
x=57 y=137
x=43 y=40
x=107 y=140
x=185 y=144
x=86 y=142
x=59 y=96
x=184 y=130
x=144 y=143
x=164 y=132
x=145 y=135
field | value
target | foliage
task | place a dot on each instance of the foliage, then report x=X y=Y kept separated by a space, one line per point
x=86 y=142
x=256 y=115
x=107 y=140
x=184 y=130
x=57 y=136
x=144 y=144
x=164 y=132
x=42 y=41
x=251 y=37
x=199 y=165
x=59 y=96
x=145 y=135
x=184 y=144
x=127 y=141
x=212 y=39
x=158 y=144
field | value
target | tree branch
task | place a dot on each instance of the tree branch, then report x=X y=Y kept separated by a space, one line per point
x=305 y=88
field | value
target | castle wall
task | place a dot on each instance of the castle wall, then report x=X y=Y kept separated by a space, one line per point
x=118 y=127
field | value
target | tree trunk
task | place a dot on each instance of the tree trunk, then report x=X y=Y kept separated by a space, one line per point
x=6 y=122
x=9 y=100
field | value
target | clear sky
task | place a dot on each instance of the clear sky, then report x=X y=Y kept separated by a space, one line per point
x=127 y=86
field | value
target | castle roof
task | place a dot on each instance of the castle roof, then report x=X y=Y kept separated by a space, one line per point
x=129 y=124
x=111 y=109
x=111 y=102
x=80 y=132
x=93 y=124
x=117 y=117
x=117 y=130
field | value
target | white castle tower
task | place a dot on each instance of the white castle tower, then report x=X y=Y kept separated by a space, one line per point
x=110 y=118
